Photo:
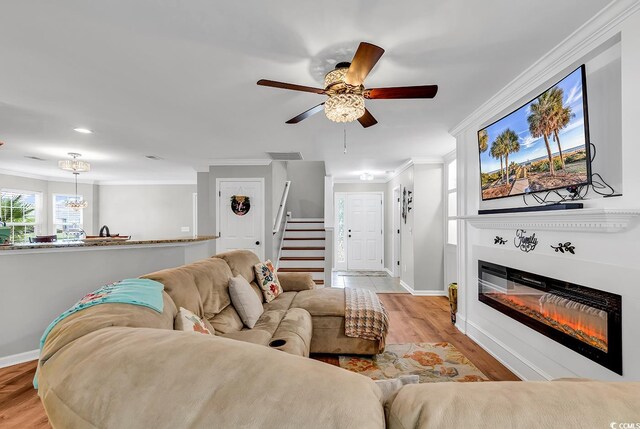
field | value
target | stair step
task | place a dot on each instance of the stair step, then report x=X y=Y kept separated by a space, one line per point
x=319 y=282
x=301 y=270
x=306 y=229
x=305 y=221
x=302 y=248
x=302 y=258
x=304 y=238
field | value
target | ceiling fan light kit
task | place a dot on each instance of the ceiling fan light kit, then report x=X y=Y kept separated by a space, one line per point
x=346 y=92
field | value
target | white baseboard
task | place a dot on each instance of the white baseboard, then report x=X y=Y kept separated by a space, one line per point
x=19 y=358
x=526 y=371
x=388 y=271
x=414 y=292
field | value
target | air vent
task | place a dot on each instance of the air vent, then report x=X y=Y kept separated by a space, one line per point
x=153 y=157
x=35 y=158
x=285 y=156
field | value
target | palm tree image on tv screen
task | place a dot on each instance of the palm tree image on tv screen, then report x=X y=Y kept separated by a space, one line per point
x=541 y=146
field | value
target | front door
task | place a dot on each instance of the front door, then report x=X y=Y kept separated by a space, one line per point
x=240 y=215
x=364 y=231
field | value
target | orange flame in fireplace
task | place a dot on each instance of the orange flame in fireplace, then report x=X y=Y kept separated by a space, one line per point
x=590 y=328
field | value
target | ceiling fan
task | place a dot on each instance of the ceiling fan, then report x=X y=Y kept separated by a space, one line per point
x=344 y=86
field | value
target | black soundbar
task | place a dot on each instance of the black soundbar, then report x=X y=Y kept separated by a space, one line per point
x=555 y=206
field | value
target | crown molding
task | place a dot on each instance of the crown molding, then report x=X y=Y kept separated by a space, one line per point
x=420 y=161
x=145 y=182
x=338 y=181
x=578 y=44
x=239 y=162
x=45 y=177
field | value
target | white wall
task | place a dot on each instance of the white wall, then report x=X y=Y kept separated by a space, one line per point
x=428 y=227
x=306 y=196
x=404 y=180
x=147 y=211
x=606 y=261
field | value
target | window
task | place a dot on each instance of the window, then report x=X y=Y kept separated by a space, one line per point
x=65 y=220
x=452 y=203
x=20 y=210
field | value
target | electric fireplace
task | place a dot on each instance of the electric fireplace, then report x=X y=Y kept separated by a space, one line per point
x=588 y=321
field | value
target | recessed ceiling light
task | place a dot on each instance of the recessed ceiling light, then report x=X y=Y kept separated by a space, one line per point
x=153 y=157
x=83 y=130
x=366 y=176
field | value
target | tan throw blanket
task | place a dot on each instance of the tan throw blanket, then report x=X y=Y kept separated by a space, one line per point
x=364 y=315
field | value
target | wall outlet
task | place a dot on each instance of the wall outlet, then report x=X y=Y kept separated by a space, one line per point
x=185 y=229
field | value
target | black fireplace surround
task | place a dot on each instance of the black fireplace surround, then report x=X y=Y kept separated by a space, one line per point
x=586 y=320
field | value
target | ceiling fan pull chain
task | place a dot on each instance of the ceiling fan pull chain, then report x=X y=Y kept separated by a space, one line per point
x=345 y=140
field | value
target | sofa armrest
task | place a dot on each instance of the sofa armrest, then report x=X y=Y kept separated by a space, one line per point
x=295 y=282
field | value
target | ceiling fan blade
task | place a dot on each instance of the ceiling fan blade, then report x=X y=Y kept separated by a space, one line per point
x=424 y=91
x=367 y=119
x=305 y=115
x=363 y=61
x=283 y=85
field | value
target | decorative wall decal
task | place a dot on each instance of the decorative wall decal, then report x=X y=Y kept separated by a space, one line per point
x=405 y=212
x=409 y=201
x=524 y=242
x=564 y=247
x=240 y=204
x=499 y=240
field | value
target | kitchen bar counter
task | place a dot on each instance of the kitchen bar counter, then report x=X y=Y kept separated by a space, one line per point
x=98 y=243
x=40 y=281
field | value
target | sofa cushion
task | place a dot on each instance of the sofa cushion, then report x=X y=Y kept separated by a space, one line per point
x=327 y=301
x=105 y=315
x=241 y=263
x=189 y=322
x=282 y=302
x=245 y=301
x=294 y=282
x=328 y=337
x=267 y=279
x=228 y=320
x=295 y=329
x=515 y=404
x=142 y=378
x=254 y=336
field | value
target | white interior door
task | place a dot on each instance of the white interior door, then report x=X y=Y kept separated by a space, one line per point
x=364 y=231
x=241 y=231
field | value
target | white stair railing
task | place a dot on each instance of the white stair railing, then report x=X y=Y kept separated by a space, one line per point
x=283 y=203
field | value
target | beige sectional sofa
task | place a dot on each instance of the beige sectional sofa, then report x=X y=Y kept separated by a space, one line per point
x=123 y=366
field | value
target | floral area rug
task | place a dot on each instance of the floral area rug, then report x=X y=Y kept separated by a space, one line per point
x=432 y=362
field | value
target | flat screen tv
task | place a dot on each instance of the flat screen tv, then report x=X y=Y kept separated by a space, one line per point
x=542 y=146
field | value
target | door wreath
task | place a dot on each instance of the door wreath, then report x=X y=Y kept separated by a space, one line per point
x=240 y=204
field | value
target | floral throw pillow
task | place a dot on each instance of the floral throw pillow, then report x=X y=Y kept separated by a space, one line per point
x=268 y=280
x=187 y=321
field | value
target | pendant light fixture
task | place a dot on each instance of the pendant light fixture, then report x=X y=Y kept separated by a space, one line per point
x=76 y=167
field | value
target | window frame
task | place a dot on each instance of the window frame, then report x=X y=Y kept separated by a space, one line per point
x=37 y=223
x=448 y=192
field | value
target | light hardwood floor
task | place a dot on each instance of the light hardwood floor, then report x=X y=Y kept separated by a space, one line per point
x=413 y=319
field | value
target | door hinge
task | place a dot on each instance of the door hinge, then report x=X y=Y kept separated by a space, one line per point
x=381 y=261
x=398 y=231
x=398 y=263
x=219 y=193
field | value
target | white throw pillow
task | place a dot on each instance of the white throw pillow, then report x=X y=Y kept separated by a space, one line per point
x=245 y=301
x=187 y=321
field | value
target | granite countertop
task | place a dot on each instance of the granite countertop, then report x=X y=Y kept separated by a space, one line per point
x=67 y=244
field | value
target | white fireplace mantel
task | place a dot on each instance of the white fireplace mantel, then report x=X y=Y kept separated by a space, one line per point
x=585 y=220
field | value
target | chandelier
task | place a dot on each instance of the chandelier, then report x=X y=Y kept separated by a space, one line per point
x=76 y=167
x=345 y=103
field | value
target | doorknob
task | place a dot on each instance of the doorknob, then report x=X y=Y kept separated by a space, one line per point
x=257 y=243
